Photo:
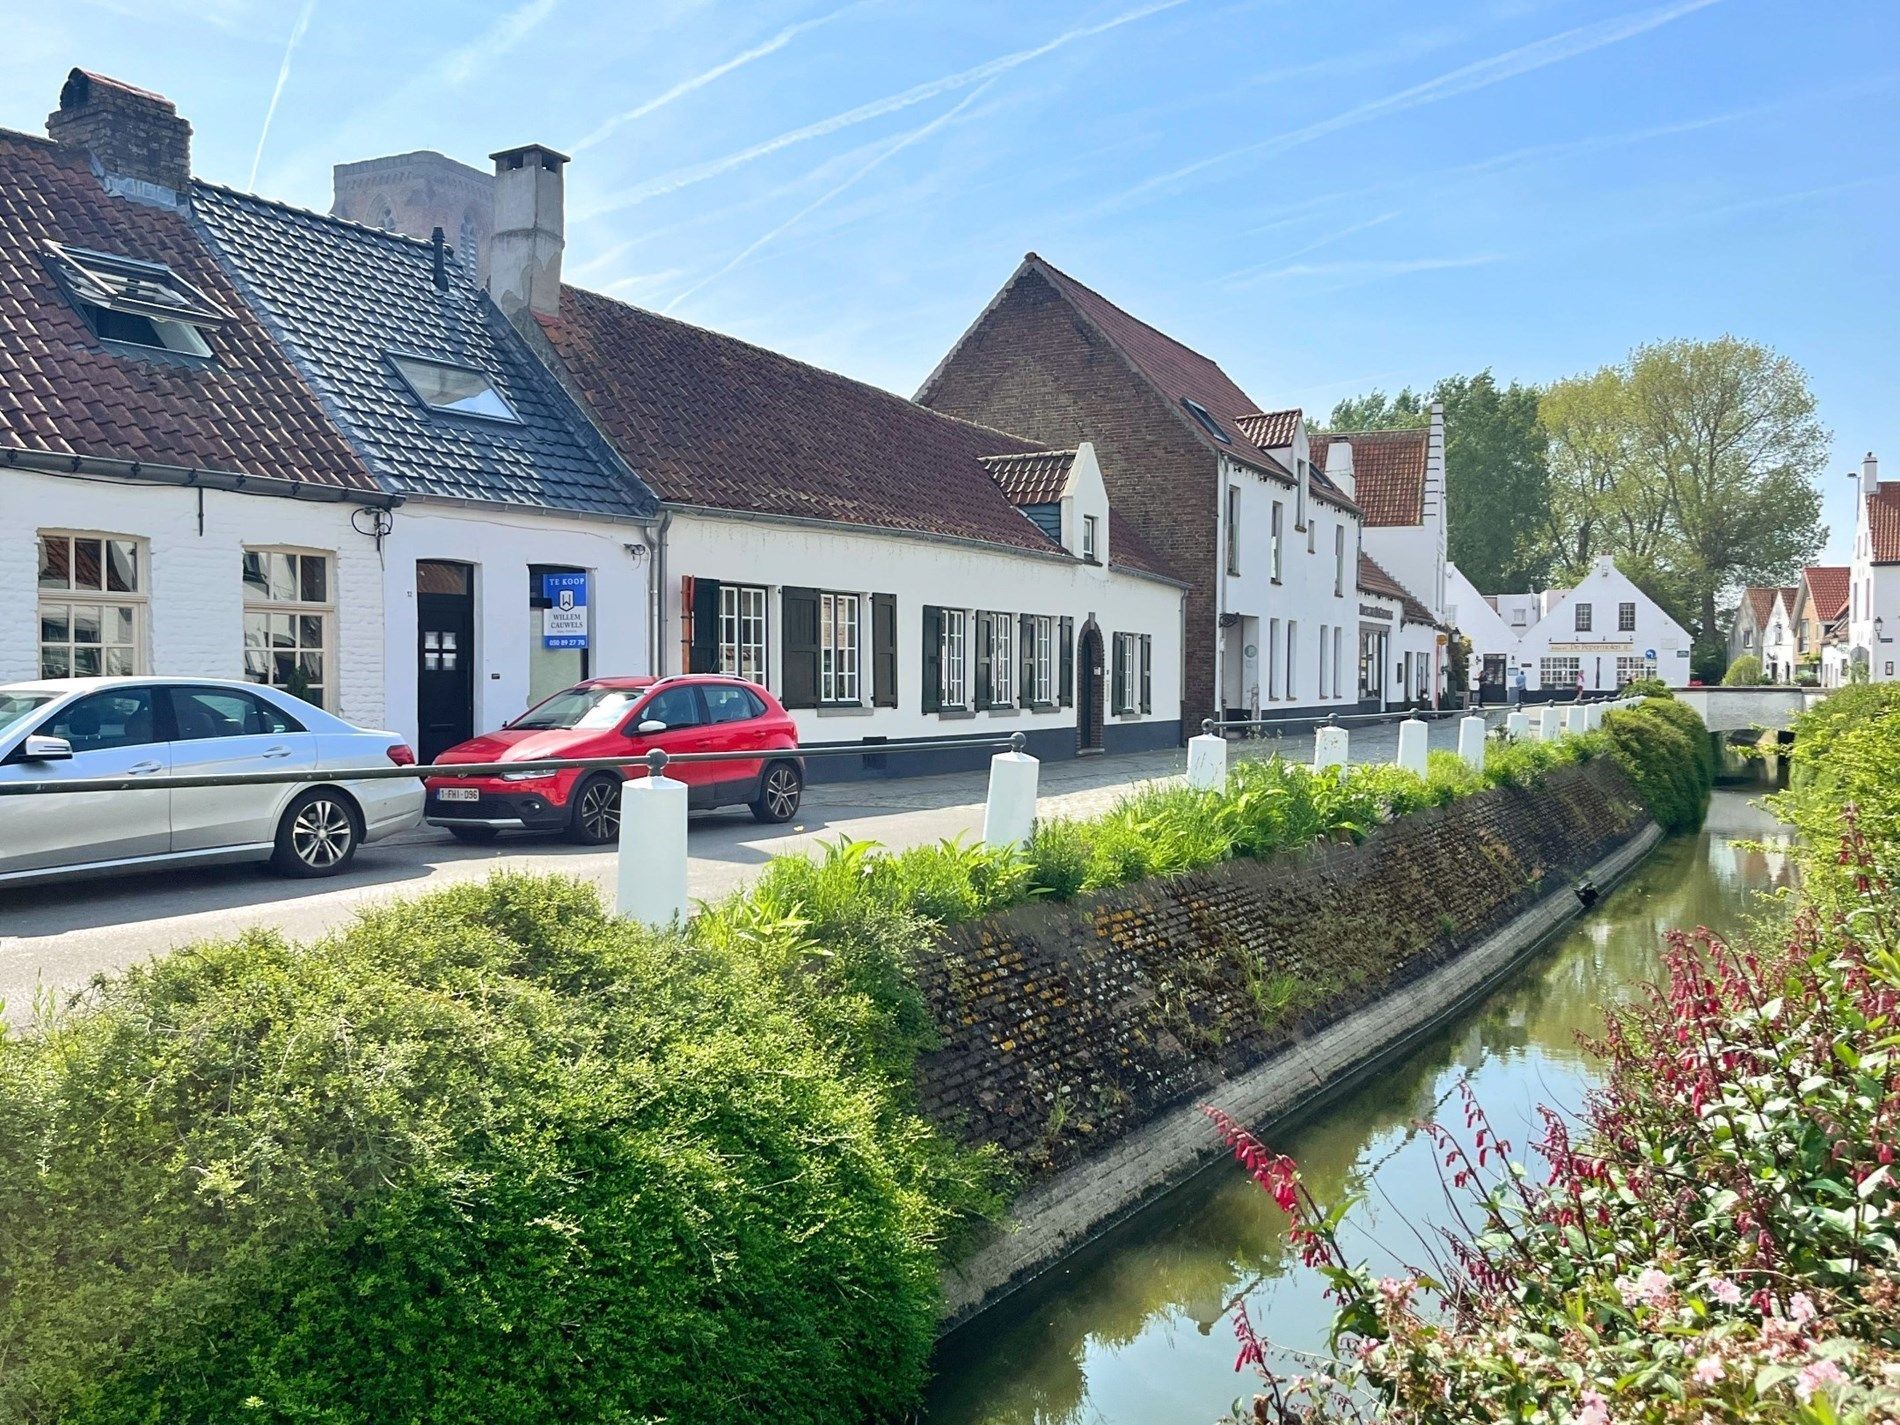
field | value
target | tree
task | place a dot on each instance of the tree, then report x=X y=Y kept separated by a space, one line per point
x=1727 y=427
x=1602 y=498
x=1496 y=481
x=1744 y=672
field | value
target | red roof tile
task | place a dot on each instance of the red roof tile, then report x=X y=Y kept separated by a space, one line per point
x=61 y=390
x=1271 y=430
x=1883 y=522
x=1827 y=588
x=1036 y=477
x=1388 y=471
x=1760 y=599
x=1374 y=580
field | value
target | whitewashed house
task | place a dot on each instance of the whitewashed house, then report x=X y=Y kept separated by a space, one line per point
x=1873 y=617
x=1763 y=627
x=1604 y=630
x=174 y=499
x=1493 y=640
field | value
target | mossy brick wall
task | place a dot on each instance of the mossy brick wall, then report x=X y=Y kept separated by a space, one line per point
x=1067 y=1026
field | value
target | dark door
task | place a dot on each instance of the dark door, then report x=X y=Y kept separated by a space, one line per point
x=1088 y=689
x=1491 y=678
x=445 y=656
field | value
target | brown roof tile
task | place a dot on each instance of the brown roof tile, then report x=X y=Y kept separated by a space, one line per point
x=1388 y=470
x=1271 y=430
x=1035 y=477
x=1761 y=602
x=62 y=390
x=1373 y=579
x=1883 y=521
x=1827 y=588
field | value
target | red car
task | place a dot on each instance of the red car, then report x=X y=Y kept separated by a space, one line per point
x=613 y=717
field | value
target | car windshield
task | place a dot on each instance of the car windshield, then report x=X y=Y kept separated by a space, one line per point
x=589 y=708
x=14 y=706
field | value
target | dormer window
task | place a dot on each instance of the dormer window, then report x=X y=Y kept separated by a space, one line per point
x=458 y=390
x=1088 y=538
x=1200 y=413
x=134 y=302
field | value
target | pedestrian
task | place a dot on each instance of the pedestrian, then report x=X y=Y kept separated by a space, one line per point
x=1580 y=684
x=1477 y=684
x=1517 y=686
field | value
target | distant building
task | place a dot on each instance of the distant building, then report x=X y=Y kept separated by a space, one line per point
x=1763 y=627
x=416 y=192
x=1873 y=618
x=1820 y=616
x=1604 y=631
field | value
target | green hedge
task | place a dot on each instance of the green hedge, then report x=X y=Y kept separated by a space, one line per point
x=1744 y=672
x=1846 y=752
x=487 y=1155
x=1666 y=752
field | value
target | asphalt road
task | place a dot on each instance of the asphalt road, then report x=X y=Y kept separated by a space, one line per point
x=54 y=939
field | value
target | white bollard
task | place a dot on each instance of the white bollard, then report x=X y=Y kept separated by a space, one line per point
x=1576 y=719
x=1207 y=762
x=1517 y=726
x=652 y=869
x=1550 y=724
x=1414 y=741
x=1471 y=741
x=1329 y=747
x=1009 y=818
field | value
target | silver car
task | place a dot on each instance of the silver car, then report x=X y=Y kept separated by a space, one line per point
x=72 y=728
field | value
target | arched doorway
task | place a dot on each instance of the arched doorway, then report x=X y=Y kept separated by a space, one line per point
x=1088 y=689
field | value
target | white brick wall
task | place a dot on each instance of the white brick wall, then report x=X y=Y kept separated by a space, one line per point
x=195 y=611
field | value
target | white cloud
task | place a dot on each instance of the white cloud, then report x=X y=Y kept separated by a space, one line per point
x=283 y=77
x=461 y=65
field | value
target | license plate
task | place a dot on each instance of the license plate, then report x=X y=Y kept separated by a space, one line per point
x=460 y=794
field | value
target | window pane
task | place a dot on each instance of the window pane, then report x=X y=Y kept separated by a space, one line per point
x=316 y=579
x=122 y=566
x=283 y=631
x=256 y=665
x=121 y=622
x=86 y=623
x=55 y=623
x=283 y=577
x=256 y=578
x=88 y=561
x=312 y=665
x=310 y=630
x=56 y=562
x=118 y=662
x=55 y=663
x=86 y=663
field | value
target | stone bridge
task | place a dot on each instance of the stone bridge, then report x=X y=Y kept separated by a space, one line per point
x=1745 y=709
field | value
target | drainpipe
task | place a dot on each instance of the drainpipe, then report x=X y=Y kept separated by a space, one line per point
x=653 y=536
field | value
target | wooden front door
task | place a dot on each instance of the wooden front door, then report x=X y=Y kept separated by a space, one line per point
x=1088 y=689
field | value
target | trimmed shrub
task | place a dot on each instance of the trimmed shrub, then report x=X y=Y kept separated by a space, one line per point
x=1744 y=672
x=1665 y=751
x=486 y=1155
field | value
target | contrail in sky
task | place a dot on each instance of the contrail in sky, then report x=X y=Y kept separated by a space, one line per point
x=718 y=71
x=1480 y=74
x=283 y=76
x=876 y=109
x=904 y=141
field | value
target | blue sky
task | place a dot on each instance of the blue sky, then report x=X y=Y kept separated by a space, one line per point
x=1323 y=196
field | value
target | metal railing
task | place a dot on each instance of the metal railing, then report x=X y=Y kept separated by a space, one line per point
x=654 y=762
x=1214 y=726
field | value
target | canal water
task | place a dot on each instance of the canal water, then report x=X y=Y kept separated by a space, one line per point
x=1139 y=1328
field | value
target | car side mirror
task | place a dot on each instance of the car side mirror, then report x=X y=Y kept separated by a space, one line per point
x=46 y=749
x=651 y=725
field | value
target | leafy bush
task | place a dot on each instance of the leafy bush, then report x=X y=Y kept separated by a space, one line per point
x=1846 y=752
x=1647 y=688
x=1744 y=672
x=1665 y=750
x=486 y=1155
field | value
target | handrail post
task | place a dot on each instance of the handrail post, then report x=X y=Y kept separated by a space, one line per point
x=1009 y=815
x=1207 y=759
x=1471 y=740
x=651 y=886
x=1414 y=745
x=1330 y=746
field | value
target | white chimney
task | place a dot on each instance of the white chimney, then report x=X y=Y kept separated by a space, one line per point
x=524 y=254
x=1435 y=466
x=1869 y=475
x=1339 y=464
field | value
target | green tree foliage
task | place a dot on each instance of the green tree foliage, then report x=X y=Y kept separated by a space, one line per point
x=1846 y=752
x=486 y=1155
x=1744 y=672
x=1495 y=469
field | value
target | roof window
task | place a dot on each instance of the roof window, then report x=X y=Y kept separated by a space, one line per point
x=135 y=302
x=459 y=390
x=1199 y=412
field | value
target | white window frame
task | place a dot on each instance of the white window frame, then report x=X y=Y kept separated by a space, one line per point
x=299 y=608
x=136 y=603
x=1126 y=694
x=1339 y=561
x=1626 y=609
x=1233 y=529
x=1558 y=671
x=1629 y=669
x=742 y=651
x=1292 y=643
x=1584 y=619
x=1279 y=526
x=955 y=661
x=1003 y=673
x=1322 y=661
x=1339 y=688
x=1042 y=661
x=1088 y=537
x=840 y=649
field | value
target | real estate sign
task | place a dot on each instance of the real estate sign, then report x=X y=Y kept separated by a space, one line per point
x=564 y=620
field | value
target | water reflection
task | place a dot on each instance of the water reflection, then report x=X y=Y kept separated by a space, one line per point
x=1137 y=1329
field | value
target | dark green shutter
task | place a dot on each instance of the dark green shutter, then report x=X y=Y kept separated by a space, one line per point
x=1026 y=659
x=1115 y=675
x=884 y=650
x=1066 y=678
x=1147 y=673
x=705 y=645
x=799 y=664
x=932 y=686
x=983 y=641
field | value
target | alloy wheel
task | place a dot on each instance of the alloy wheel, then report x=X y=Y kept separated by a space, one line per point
x=781 y=792
x=600 y=810
x=322 y=834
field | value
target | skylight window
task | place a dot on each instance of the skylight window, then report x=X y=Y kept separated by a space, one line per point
x=1199 y=412
x=459 y=390
x=136 y=302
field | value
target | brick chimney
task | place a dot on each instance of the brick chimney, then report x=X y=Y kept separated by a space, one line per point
x=135 y=136
x=1870 y=475
x=524 y=253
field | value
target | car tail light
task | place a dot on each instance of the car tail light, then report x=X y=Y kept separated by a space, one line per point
x=401 y=755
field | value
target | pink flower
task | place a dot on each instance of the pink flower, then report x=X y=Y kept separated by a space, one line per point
x=1817 y=1375
x=1595 y=1411
x=1650 y=1288
x=1725 y=1291
x=1801 y=1309
x=1709 y=1370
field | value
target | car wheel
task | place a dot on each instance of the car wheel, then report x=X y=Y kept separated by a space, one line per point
x=595 y=818
x=779 y=794
x=318 y=834
x=474 y=833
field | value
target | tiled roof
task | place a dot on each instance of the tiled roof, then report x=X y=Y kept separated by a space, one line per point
x=1827 y=588
x=247 y=411
x=345 y=296
x=1388 y=472
x=1761 y=602
x=714 y=421
x=1271 y=430
x=1036 y=477
x=1374 y=580
x=1128 y=549
x=1883 y=522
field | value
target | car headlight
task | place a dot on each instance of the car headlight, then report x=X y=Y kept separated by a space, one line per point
x=525 y=776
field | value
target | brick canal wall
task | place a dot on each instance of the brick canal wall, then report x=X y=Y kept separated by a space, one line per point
x=1080 y=1037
